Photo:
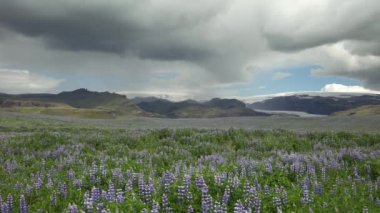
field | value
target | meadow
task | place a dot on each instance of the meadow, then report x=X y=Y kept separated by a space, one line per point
x=87 y=169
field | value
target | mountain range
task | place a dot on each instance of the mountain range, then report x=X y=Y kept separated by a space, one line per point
x=88 y=104
x=317 y=104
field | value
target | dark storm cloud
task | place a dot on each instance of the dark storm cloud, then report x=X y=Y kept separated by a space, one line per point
x=123 y=27
x=84 y=28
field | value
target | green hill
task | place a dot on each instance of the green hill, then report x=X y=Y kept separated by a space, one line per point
x=192 y=109
x=78 y=103
x=360 y=111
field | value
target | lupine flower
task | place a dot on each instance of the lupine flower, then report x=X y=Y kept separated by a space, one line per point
x=5 y=208
x=239 y=208
x=111 y=192
x=119 y=196
x=257 y=203
x=266 y=190
x=23 y=207
x=305 y=199
x=73 y=208
x=165 y=202
x=226 y=195
x=63 y=190
x=190 y=210
x=277 y=202
x=181 y=193
x=10 y=202
x=70 y=174
x=155 y=208
x=53 y=199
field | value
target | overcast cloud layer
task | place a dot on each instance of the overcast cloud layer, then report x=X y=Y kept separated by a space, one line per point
x=202 y=48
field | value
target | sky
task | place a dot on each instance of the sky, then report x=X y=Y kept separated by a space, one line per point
x=192 y=49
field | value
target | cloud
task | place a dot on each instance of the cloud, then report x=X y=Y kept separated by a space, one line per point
x=281 y=75
x=347 y=89
x=22 y=81
x=204 y=46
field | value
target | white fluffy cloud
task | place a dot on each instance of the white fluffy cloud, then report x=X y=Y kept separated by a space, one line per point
x=20 y=81
x=346 y=89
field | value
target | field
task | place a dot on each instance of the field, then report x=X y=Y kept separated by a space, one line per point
x=52 y=164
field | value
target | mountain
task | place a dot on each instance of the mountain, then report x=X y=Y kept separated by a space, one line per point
x=323 y=105
x=360 y=111
x=192 y=109
x=138 y=100
x=79 y=103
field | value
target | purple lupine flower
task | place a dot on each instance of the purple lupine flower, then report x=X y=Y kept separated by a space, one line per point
x=206 y=202
x=268 y=167
x=23 y=207
x=10 y=202
x=95 y=194
x=49 y=183
x=155 y=208
x=239 y=208
x=266 y=190
x=277 y=202
x=77 y=184
x=243 y=172
x=257 y=203
x=144 y=211
x=99 y=207
x=4 y=208
x=28 y=189
x=235 y=182
x=220 y=208
x=165 y=202
x=70 y=174
x=38 y=181
x=129 y=185
x=111 y=192
x=88 y=201
x=73 y=208
x=63 y=190
x=226 y=195
x=181 y=194
x=103 y=170
x=377 y=202
x=200 y=182
x=284 y=197
x=148 y=191
x=119 y=196
x=218 y=179
x=323 y=173
x=104 y=195
x=190 y=209
x=305 y=199
x=18 y=186
x=53 y=199
x=318 y=189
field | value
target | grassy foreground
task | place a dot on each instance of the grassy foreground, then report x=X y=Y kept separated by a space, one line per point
x=188 y=170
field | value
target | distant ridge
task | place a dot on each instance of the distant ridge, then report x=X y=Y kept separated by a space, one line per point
x=80 y=102
x=90 y=104
x=314 y=104
x=193 y=109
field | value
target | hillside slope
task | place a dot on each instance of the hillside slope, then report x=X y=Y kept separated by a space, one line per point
x=78 y=103
x=360 y=111
x=325 y=105
x=192 y=109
